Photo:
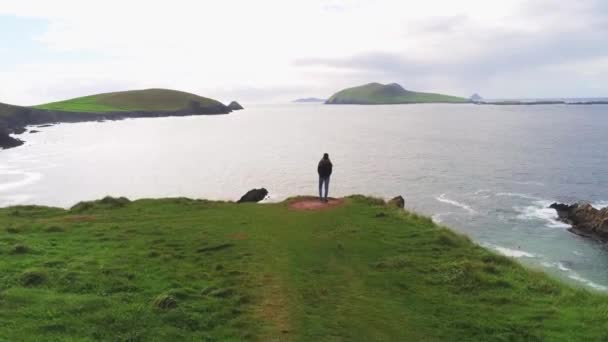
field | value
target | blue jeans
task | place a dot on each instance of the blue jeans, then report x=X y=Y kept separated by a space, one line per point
x=323 y=180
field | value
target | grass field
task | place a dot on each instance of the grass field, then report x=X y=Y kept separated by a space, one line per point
x=182 y=270
x=376 y=93
x=134 y=100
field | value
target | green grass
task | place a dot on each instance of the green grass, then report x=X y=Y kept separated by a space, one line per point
x=134 y=100
x=376 y=93
x=182 y=270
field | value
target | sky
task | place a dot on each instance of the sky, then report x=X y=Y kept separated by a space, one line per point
x=268 y=51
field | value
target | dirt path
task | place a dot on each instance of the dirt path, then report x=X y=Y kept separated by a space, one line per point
x=313 y=203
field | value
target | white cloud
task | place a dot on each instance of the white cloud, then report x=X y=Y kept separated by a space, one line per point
x=250 y=49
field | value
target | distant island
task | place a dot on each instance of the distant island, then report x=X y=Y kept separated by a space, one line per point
x=107 y=106
x=309 y=100
x=393 y=93
x=477 y=99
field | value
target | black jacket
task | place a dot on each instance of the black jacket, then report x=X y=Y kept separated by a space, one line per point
x=325 y=167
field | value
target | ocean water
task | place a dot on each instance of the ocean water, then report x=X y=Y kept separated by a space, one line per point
x=487 y=171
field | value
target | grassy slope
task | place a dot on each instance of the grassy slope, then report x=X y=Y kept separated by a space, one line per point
x=263 y=272
x=134 y=100
x=376 y=93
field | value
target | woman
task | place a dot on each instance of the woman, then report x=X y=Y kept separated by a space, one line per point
x=324 y=169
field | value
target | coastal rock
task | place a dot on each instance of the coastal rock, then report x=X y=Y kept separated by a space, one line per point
x=475 y=98
x=398 y=202
x=6 y=141
x=254 y=195
x=19 y=130
x=235 y=106
x=584 y=218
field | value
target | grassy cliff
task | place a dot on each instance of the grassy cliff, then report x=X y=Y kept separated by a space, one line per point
x=133 y=100
x=376 y=93
x=181 y=269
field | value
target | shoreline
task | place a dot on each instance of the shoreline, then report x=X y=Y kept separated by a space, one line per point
x=15 y=119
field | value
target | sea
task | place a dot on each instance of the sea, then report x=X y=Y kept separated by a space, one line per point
x=487 y=171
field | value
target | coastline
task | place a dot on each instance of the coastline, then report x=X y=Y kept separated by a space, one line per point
x=15 y=119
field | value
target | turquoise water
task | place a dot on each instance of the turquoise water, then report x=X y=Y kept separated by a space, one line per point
x=487 y=171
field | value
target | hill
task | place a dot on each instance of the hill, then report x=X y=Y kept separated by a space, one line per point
x=376 y=93
x=181 y=270
x=108 y=106
x=133 y=100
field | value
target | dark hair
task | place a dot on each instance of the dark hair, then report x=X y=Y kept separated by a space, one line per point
x=325 y=156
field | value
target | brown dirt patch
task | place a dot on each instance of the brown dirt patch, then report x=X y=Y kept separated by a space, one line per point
x=239 y=236
x=79 y=218
x=313 y=203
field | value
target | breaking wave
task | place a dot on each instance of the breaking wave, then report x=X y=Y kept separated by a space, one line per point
x=540 y=211
x=442 y=198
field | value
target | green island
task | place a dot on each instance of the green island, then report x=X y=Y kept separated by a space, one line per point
x=108 y=106
x=182 y=269
x=393 y=93
x=132 y=100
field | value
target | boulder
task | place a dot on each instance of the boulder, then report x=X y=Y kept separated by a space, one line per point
x=254 y=195
x=398 y=202
x=235 y=106
x=584 y=218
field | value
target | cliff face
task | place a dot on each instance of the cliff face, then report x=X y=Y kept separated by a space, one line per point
x=14 y=118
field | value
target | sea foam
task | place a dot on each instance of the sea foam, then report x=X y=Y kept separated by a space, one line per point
x=540 y=211
x=442 y=198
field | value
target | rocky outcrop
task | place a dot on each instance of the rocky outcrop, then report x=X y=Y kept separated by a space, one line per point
x=254 y=195
x=235 y=106
x=475 y=98
x=398 y=202
x=585 y=219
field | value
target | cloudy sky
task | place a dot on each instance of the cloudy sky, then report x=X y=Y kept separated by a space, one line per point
x=278 y=50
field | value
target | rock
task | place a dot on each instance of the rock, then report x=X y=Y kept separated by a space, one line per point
x=398 y=202
x=475 y=98
x=19 y=130
x=584 y=218
x=235 y=106
x=254 y=195
x=34 y=131
x=6 y=141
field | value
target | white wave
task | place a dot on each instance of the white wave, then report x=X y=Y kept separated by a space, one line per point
x=437 y=218
x=514 y=253
x=600 y=204
x=540 y=211
x=443 y=199
x=557 y=265
x=515 y=194
x=28 y=178
x=587 y=282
